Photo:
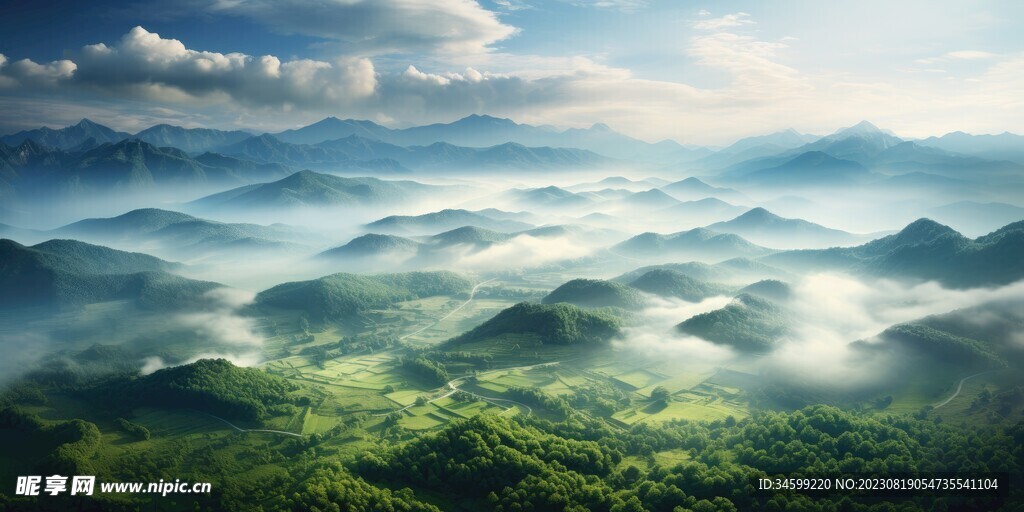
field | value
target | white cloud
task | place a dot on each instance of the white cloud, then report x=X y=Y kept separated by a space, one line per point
x=28 y=73
x=144 y=65
x=727 y=21
x=970 y=55
x=380 y=26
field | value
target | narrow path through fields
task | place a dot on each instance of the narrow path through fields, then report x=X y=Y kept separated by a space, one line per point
x=240 y=429
x=472 y=293
x=453 y=387
x=959 y=387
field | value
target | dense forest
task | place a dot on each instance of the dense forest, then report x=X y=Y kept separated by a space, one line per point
x=578 y=462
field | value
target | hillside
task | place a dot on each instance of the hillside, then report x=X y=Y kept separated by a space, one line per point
x=63 y=273
x=444 y=220
x=924 y=250
x=765 y=228
x=356 y=151
x=700 y=211
x=595 y=293
x=733 y=271
x=468 y=235
x=942 y=346
x=692 y=189
x=811 y=168
x=307 y=188
x=748 y=324
x=68 y=137
x=672 y=283
x=215 y=386
x=129 y=163
x=559 y=324
x=192 y=140
x=694 y=244
x=341 y=296
x=770 y=289
x=373 y=245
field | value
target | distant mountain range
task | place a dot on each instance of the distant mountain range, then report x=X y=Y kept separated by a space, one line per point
x=444 y=220
x=131 y=163
x=183 y=235
x=702 y=211
x=481 y=131
x=68 y=137
x=192 y=140
x=698 y=244
x=765 y=228
x=732 y=271
x=436 y=249
x=88 y=156
x=1005 y=146
x=924 y=250
x=619 y=182
x=310 y=189
x=360 y=152
x=693 y=189
x=853 y=156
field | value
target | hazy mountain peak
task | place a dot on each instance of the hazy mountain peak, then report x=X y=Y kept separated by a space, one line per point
x=924 y=230
x=861 y=128
x=758 y=214
x=484 y=118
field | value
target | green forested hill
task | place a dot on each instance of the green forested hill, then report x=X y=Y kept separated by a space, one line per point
x=61 y=273
x=343 y=295
x=213 y=385
x=560 y=324
x=925 y=250
x=672 y=283
x=749 y=324
x=595 y=293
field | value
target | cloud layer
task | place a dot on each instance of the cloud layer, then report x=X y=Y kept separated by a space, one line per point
x=415 y=62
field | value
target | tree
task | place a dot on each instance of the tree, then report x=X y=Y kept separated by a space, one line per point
x=660 y=394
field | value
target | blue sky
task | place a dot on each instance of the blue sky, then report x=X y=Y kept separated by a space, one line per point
x=697 y=72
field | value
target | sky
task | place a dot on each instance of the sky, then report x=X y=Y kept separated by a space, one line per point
x=698 y=72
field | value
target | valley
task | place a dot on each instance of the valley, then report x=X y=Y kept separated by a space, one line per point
x=627 y=327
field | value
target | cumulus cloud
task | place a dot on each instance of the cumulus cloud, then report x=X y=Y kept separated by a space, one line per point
x=150 y=66
x=762 y=90
x=31 y=74
x=380 y=26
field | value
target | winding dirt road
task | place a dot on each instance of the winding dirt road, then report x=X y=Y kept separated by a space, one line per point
x=240 y=429
x=472 y=293
x=959 y=388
